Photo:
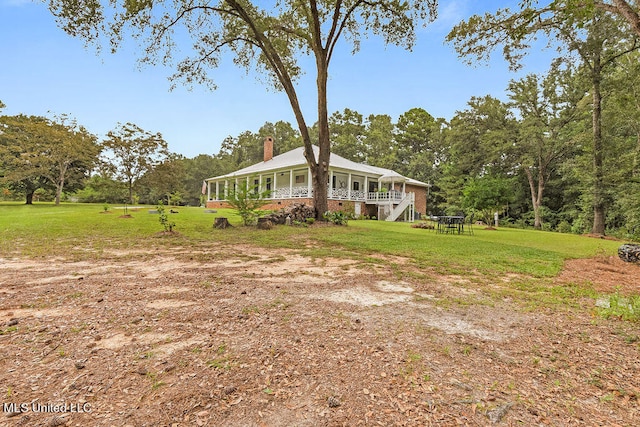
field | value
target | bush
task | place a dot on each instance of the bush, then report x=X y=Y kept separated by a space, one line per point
x=564 y=227
x=338 y=218
x=247 y=201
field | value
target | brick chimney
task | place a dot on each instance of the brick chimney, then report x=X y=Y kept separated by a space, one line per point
x=268 y=148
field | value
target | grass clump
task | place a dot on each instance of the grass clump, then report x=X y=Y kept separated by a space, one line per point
x=620 y=307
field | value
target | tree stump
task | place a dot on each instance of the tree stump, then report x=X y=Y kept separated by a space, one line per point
x=221 y=223
x=629 y=252
x=264 y=224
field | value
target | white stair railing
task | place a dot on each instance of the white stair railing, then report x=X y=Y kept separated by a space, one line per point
x=396 y=211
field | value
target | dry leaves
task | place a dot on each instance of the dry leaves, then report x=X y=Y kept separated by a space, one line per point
x=156 y=340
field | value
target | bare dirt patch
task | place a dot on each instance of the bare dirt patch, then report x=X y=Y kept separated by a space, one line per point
x=148 y=339
x=605 y=273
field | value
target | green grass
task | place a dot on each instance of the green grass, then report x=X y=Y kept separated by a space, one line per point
x=536 y=253
x=622 y=307
x=530 y=259
x=83 y=231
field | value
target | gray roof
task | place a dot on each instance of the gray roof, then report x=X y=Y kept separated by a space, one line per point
x=295 y=158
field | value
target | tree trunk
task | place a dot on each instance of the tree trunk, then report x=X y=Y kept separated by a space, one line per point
x=29 y=196
x=536 y=197
x=321 y=176
x=598 y=153
x=130 y=191
x=60 y=183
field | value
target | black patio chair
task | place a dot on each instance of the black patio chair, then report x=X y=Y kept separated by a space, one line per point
x=470 y=225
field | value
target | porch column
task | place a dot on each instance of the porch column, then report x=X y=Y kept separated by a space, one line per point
x=273 y=186
x=366 y=188
x=291 y=183
x=309 y=183
x=217 y=190
x=349 y=187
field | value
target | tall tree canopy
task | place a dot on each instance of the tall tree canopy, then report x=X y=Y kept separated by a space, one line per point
x=36 y=151
x=626 y=9
x=548 y=107
x=272 y=38
x=597 y=39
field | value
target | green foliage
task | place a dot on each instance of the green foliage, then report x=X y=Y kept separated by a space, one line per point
x=163 y=218
x=487 y=195
x=102 y=189
x=348 y=135
x=247 y=200
x=132 y=152
x=564 y=227
x=37 y=152
x=337 y=218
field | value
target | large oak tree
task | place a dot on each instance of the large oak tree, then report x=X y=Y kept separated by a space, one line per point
x=36 y=151
x=268 y=36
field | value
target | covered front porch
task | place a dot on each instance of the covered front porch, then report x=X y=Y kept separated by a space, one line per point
x=385 y=196
x=296 y=183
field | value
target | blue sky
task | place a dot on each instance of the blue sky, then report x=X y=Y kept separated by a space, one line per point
x=43 y=71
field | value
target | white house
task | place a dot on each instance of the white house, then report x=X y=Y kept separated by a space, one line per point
x=355 y=187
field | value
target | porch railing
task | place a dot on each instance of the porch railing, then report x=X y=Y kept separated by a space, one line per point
x=393 y=196
x=335 y=194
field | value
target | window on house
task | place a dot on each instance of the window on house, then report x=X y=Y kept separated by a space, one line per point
x=299 y=179
x=356 y=186
x=268 y=184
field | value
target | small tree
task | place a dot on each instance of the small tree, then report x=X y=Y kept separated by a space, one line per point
x=247 y=199
x=163 y=218
x=487 y=195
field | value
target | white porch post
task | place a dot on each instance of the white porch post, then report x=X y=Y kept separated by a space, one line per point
x=349 y=186
x=273 y=186
x=309 y=183
x=291 y=183
x=217 y=190
x=366 y=187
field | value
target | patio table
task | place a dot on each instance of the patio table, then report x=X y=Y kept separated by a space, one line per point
x=451 y=224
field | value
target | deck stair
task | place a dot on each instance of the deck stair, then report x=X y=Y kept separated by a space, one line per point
x=406 y=202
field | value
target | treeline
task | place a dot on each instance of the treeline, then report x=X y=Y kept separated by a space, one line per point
x=530 y=158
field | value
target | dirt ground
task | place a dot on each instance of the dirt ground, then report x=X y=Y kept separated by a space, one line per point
x=221 y=338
